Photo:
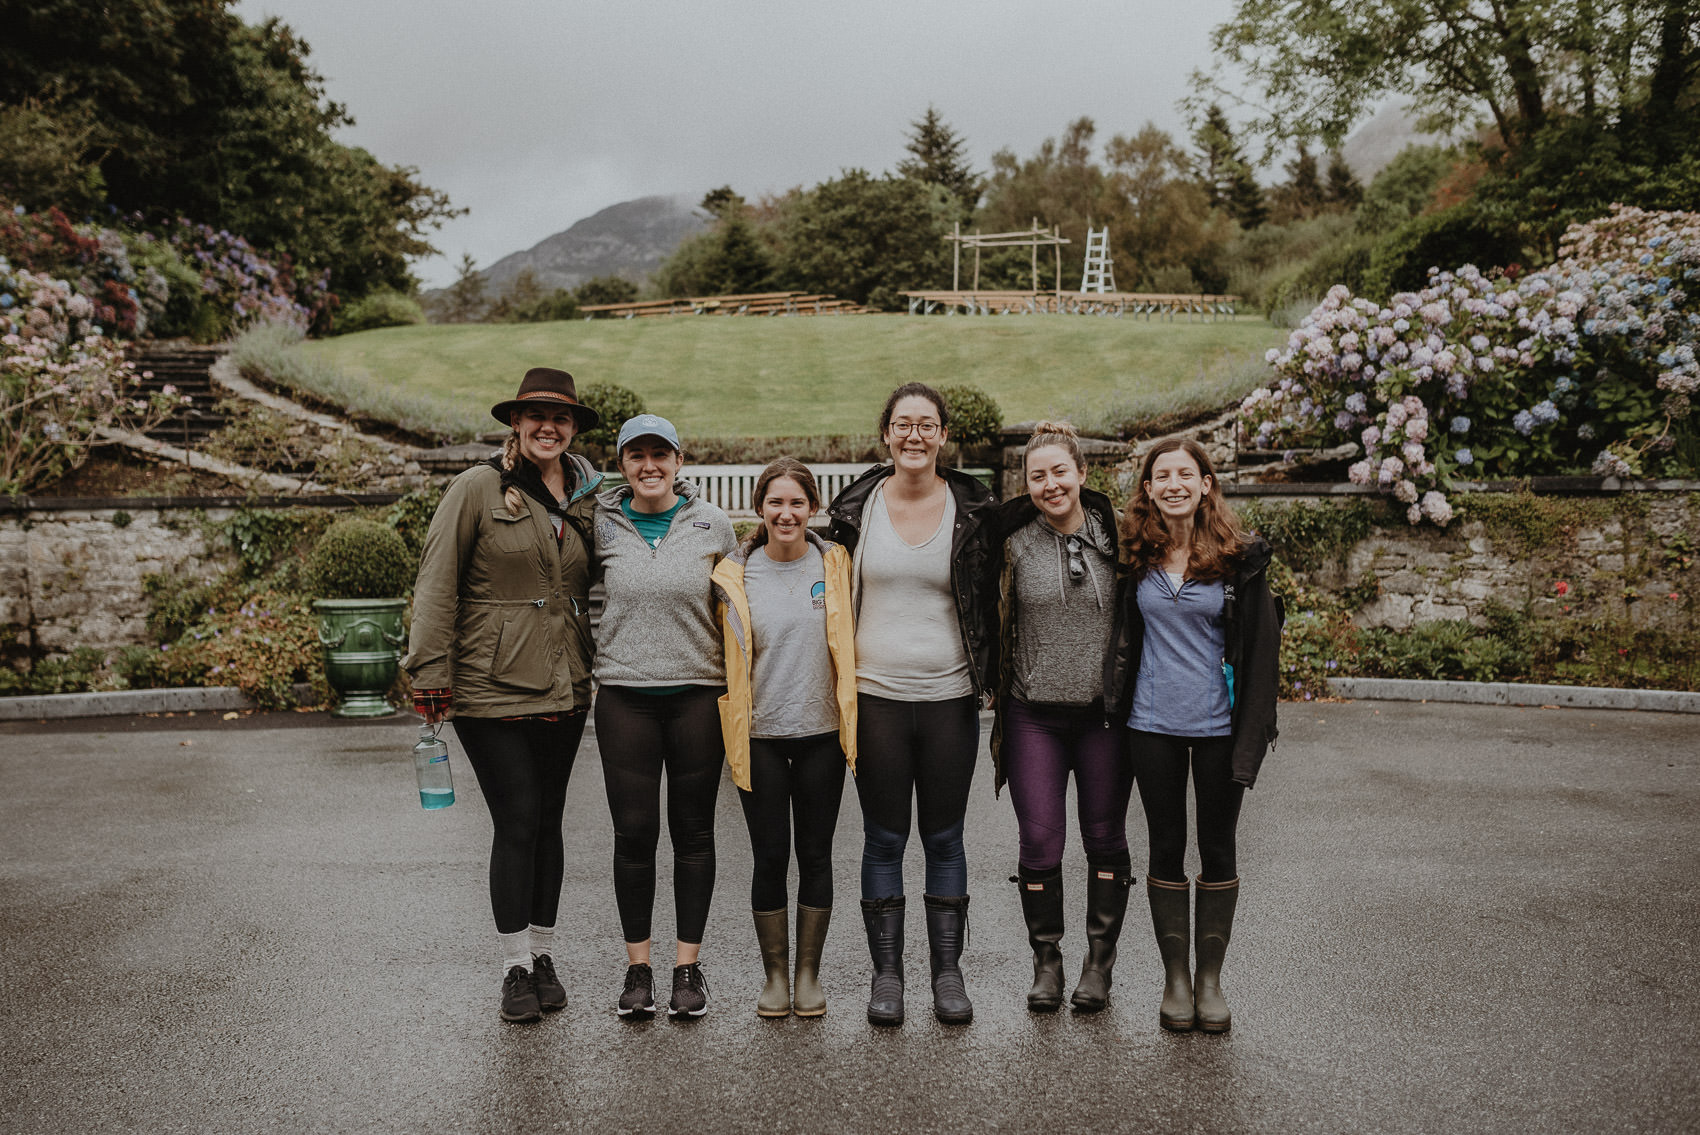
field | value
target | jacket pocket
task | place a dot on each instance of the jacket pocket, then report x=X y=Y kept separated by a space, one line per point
x=524 y=656
x=510 y=532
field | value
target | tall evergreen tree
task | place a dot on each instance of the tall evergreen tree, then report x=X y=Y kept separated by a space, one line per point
x=464 y=301
x=1343 y=190
x=1301 y=196
x=937 y=158
x=1225 y=173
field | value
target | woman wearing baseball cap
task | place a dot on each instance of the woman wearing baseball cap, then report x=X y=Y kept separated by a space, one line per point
x=501 y=643
x=660 y=671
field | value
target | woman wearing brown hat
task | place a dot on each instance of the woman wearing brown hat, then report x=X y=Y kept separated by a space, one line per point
x=501 y=643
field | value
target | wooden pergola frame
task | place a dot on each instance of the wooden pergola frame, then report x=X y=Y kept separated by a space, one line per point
x=1033 y=239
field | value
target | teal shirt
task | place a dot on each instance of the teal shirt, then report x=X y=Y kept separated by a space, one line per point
x=651 y=525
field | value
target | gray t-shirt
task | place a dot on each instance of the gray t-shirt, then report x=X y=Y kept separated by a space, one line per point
x=908 y=641
x=795 y=695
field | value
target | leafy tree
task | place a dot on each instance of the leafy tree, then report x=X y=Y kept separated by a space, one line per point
x=195 y=113
x=937 y=158
x=45 y=157
x=867 y=238
x=605 y=289
x=1318 y=66
x=1163 y=225
x=1061 y=184
x=729 y=259
x=1404 y=187
x=718 y=201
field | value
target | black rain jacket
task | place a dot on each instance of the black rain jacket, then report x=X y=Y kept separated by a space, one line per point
x=976 y=595
x=1252 y=617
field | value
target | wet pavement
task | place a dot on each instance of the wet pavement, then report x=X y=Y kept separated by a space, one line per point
x=1453 y=918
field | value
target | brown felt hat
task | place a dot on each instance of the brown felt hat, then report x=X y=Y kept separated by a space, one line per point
x=546 y=386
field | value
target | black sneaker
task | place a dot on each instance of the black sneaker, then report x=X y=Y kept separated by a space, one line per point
x=550 y=993
x=690 y=991
x=519 y=996
x=637 y=1000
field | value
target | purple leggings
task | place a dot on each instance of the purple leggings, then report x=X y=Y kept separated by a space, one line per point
x=1042 y=744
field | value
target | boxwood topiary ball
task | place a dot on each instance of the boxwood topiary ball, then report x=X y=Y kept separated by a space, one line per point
x=360 y=559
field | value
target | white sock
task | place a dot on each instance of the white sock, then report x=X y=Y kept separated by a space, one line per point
x=516 y=950
x=542 y=941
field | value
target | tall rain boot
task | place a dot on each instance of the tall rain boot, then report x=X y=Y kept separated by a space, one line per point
x=1106 y=907
x=775 y=999
x=1042 y=907
x=808 y=999
x=884 y=921
x=1213 y=924
x=1171 y=919
x=947 y=934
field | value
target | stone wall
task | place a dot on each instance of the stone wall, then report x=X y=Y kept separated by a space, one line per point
x=74 y=578
x=1618 y=555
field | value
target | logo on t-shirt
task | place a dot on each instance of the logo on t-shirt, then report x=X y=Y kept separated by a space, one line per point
x=818 y=594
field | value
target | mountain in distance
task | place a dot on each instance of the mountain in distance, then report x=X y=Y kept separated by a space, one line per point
x=1371 y=146
x=630 y=239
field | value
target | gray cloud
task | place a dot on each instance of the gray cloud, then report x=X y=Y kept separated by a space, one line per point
x=536 y=114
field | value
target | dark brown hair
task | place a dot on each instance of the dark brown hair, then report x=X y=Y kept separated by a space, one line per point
x=914 y=390
x=779 y=467
x=1217 y=538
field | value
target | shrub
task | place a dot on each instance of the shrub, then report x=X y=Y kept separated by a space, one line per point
x=615 y=404
x=606 y=289
x=975 y=418
x=380 y=309
x=1460 y=235
x=360 y=559
x=1588 y=364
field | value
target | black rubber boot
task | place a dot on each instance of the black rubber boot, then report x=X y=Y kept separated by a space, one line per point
x=1042 y=907
x=884 y=920
x=1106 y=907
x=1171 y=919
x=947 y=934
x=1213 y=925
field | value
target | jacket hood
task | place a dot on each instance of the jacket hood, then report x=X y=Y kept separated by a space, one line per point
x=1256 y=555
x=1009 y=516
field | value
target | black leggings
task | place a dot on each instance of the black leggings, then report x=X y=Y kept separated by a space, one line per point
x=522 y=767
x=640 y=735
x=801 y=777
x=1160 y=764
x=920 y=749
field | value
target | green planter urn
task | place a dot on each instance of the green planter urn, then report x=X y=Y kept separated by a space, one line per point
x=363 y=639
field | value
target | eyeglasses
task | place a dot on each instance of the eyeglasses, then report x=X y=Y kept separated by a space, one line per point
x=926 y=430
x=1076 y=558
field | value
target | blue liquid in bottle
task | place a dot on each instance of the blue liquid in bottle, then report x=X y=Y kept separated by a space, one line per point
x=431 y=766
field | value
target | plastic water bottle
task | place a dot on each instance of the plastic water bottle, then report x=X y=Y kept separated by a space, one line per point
x=431 y=764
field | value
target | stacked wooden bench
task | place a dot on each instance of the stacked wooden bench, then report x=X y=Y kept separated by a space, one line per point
x=754 y=303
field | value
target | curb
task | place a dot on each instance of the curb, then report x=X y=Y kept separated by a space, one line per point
x=121 y=703
x=1515 y=693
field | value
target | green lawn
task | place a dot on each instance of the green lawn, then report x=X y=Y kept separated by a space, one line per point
x=816 y=375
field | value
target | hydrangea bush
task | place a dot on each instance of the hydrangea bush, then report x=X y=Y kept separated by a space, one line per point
x=1586 y=365
x=64 y=383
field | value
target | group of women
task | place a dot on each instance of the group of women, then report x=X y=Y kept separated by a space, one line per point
x=1132 y=649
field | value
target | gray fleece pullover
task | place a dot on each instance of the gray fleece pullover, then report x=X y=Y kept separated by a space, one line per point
x=1062 y=623
x=659 y=627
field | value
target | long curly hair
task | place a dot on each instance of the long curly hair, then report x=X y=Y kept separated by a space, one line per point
x=780 y=467
x=1218 y=541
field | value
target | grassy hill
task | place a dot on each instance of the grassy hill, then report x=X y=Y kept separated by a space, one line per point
x=821 y=375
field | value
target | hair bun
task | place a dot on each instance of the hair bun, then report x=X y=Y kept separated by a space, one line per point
x=1055 y=429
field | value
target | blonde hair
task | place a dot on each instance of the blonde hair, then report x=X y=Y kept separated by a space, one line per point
x=1055 y=433
x=513 y=498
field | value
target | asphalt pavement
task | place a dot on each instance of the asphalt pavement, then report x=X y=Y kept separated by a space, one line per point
x=1453 y=918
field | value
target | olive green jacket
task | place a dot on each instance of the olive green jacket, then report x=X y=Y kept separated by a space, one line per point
x=501 y=612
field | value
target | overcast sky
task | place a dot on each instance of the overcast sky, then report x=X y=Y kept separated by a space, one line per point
x=535 y=114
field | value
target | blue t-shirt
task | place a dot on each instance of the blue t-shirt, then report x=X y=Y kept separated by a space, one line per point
x=651 y=525
x=1181 y=690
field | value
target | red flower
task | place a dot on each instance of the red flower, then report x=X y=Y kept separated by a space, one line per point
x=1561 y=587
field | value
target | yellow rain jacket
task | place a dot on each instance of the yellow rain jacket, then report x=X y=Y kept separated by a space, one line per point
x=737 y=704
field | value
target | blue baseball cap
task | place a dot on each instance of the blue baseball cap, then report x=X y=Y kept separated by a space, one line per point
x=648 y=425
